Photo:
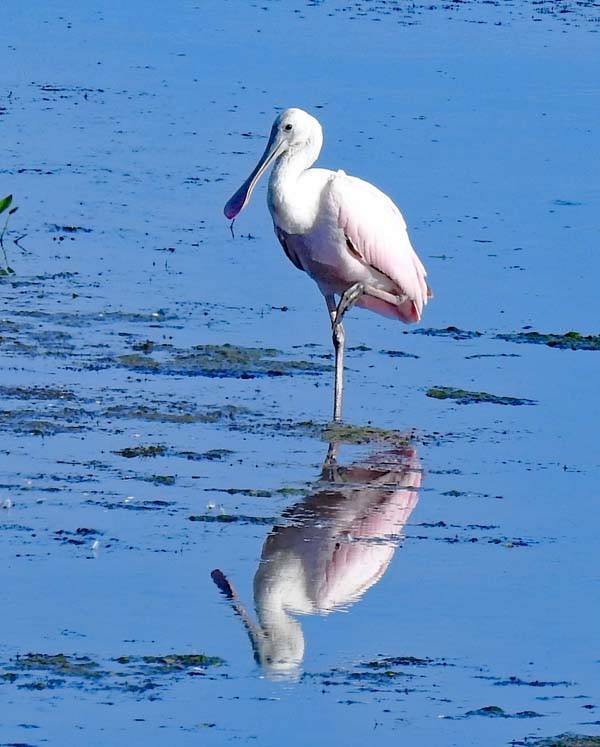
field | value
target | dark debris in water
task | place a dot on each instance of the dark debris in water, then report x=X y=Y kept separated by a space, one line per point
x=563 y=13
x=258 y=493
x=155 y=504
x=497 y=712
x=212 y=455
x=131 y=452
x=69 y=229
x=506 y=681
x=468 y=534
x=464 y=397
x=490 y=355
x=234 y=519
x=388 y=662
x=81 y=536
x=385 y=672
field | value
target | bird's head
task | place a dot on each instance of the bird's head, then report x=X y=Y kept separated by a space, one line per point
x=294 y=133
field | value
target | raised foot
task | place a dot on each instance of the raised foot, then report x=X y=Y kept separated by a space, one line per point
x=349 y=297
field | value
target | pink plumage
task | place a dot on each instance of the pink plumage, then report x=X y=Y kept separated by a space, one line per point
x=342 y=231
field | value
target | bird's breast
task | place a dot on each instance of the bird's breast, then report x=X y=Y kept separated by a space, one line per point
x=298 y=203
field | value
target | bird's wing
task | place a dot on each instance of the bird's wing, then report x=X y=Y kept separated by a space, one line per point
x=288 y=247
x=376 y=231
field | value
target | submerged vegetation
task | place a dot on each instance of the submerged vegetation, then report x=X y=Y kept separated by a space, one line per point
x=138 y=674
x=464 y=397
x=568 y=341
x=160 y=418
x=215 y=361
x=564 y=740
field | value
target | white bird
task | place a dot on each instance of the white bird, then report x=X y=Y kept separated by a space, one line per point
x=342 y=231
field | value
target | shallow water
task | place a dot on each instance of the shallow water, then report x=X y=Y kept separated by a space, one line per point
x=166 y=385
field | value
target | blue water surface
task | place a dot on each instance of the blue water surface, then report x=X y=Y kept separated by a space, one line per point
x=125 y=128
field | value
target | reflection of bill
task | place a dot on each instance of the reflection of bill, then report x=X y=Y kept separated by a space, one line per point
x=331 y=548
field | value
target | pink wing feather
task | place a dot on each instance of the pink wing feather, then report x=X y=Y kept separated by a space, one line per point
x=378 y=233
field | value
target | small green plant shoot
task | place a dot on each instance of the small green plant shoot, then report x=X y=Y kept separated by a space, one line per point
x=5 y=204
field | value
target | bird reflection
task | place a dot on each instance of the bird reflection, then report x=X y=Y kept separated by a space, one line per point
x=329 y=549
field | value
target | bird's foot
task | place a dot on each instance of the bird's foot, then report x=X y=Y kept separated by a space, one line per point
x=349 y=297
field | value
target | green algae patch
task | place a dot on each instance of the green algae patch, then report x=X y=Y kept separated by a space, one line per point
x=454 y=332
x=399 y=661
x=398 y=354
x=362 y=434
x=28 y=422
x=212 y=455
x=489 y=711
x=133 y=505
x=142 y=451
x=180 y=662
x=216 y=361
x=177 y=413
x=35 y=392
x=464 y=397
x=250 y=492
x=564 y=740
x=568 y=341
x=58 y=664
x=132 y=674
x=161 y=479
x=138 y=362
x=49 y=684
x=238 y=362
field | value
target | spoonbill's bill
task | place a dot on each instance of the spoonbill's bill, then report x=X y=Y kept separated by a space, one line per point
x=342 y=231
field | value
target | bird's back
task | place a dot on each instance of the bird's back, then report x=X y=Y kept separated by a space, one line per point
x=355 y=234
x=377 y=231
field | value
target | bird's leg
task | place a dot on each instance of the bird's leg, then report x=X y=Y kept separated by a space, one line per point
x=339 y=341
x=330 y=464
x=348 y=299
x=338 y=345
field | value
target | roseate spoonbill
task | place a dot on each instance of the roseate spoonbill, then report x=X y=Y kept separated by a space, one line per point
x=328 y=550
x=342 y=231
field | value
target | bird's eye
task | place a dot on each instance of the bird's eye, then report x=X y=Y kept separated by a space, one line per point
x=288 y=127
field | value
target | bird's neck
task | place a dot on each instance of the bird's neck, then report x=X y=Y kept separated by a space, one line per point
x=292 y=203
